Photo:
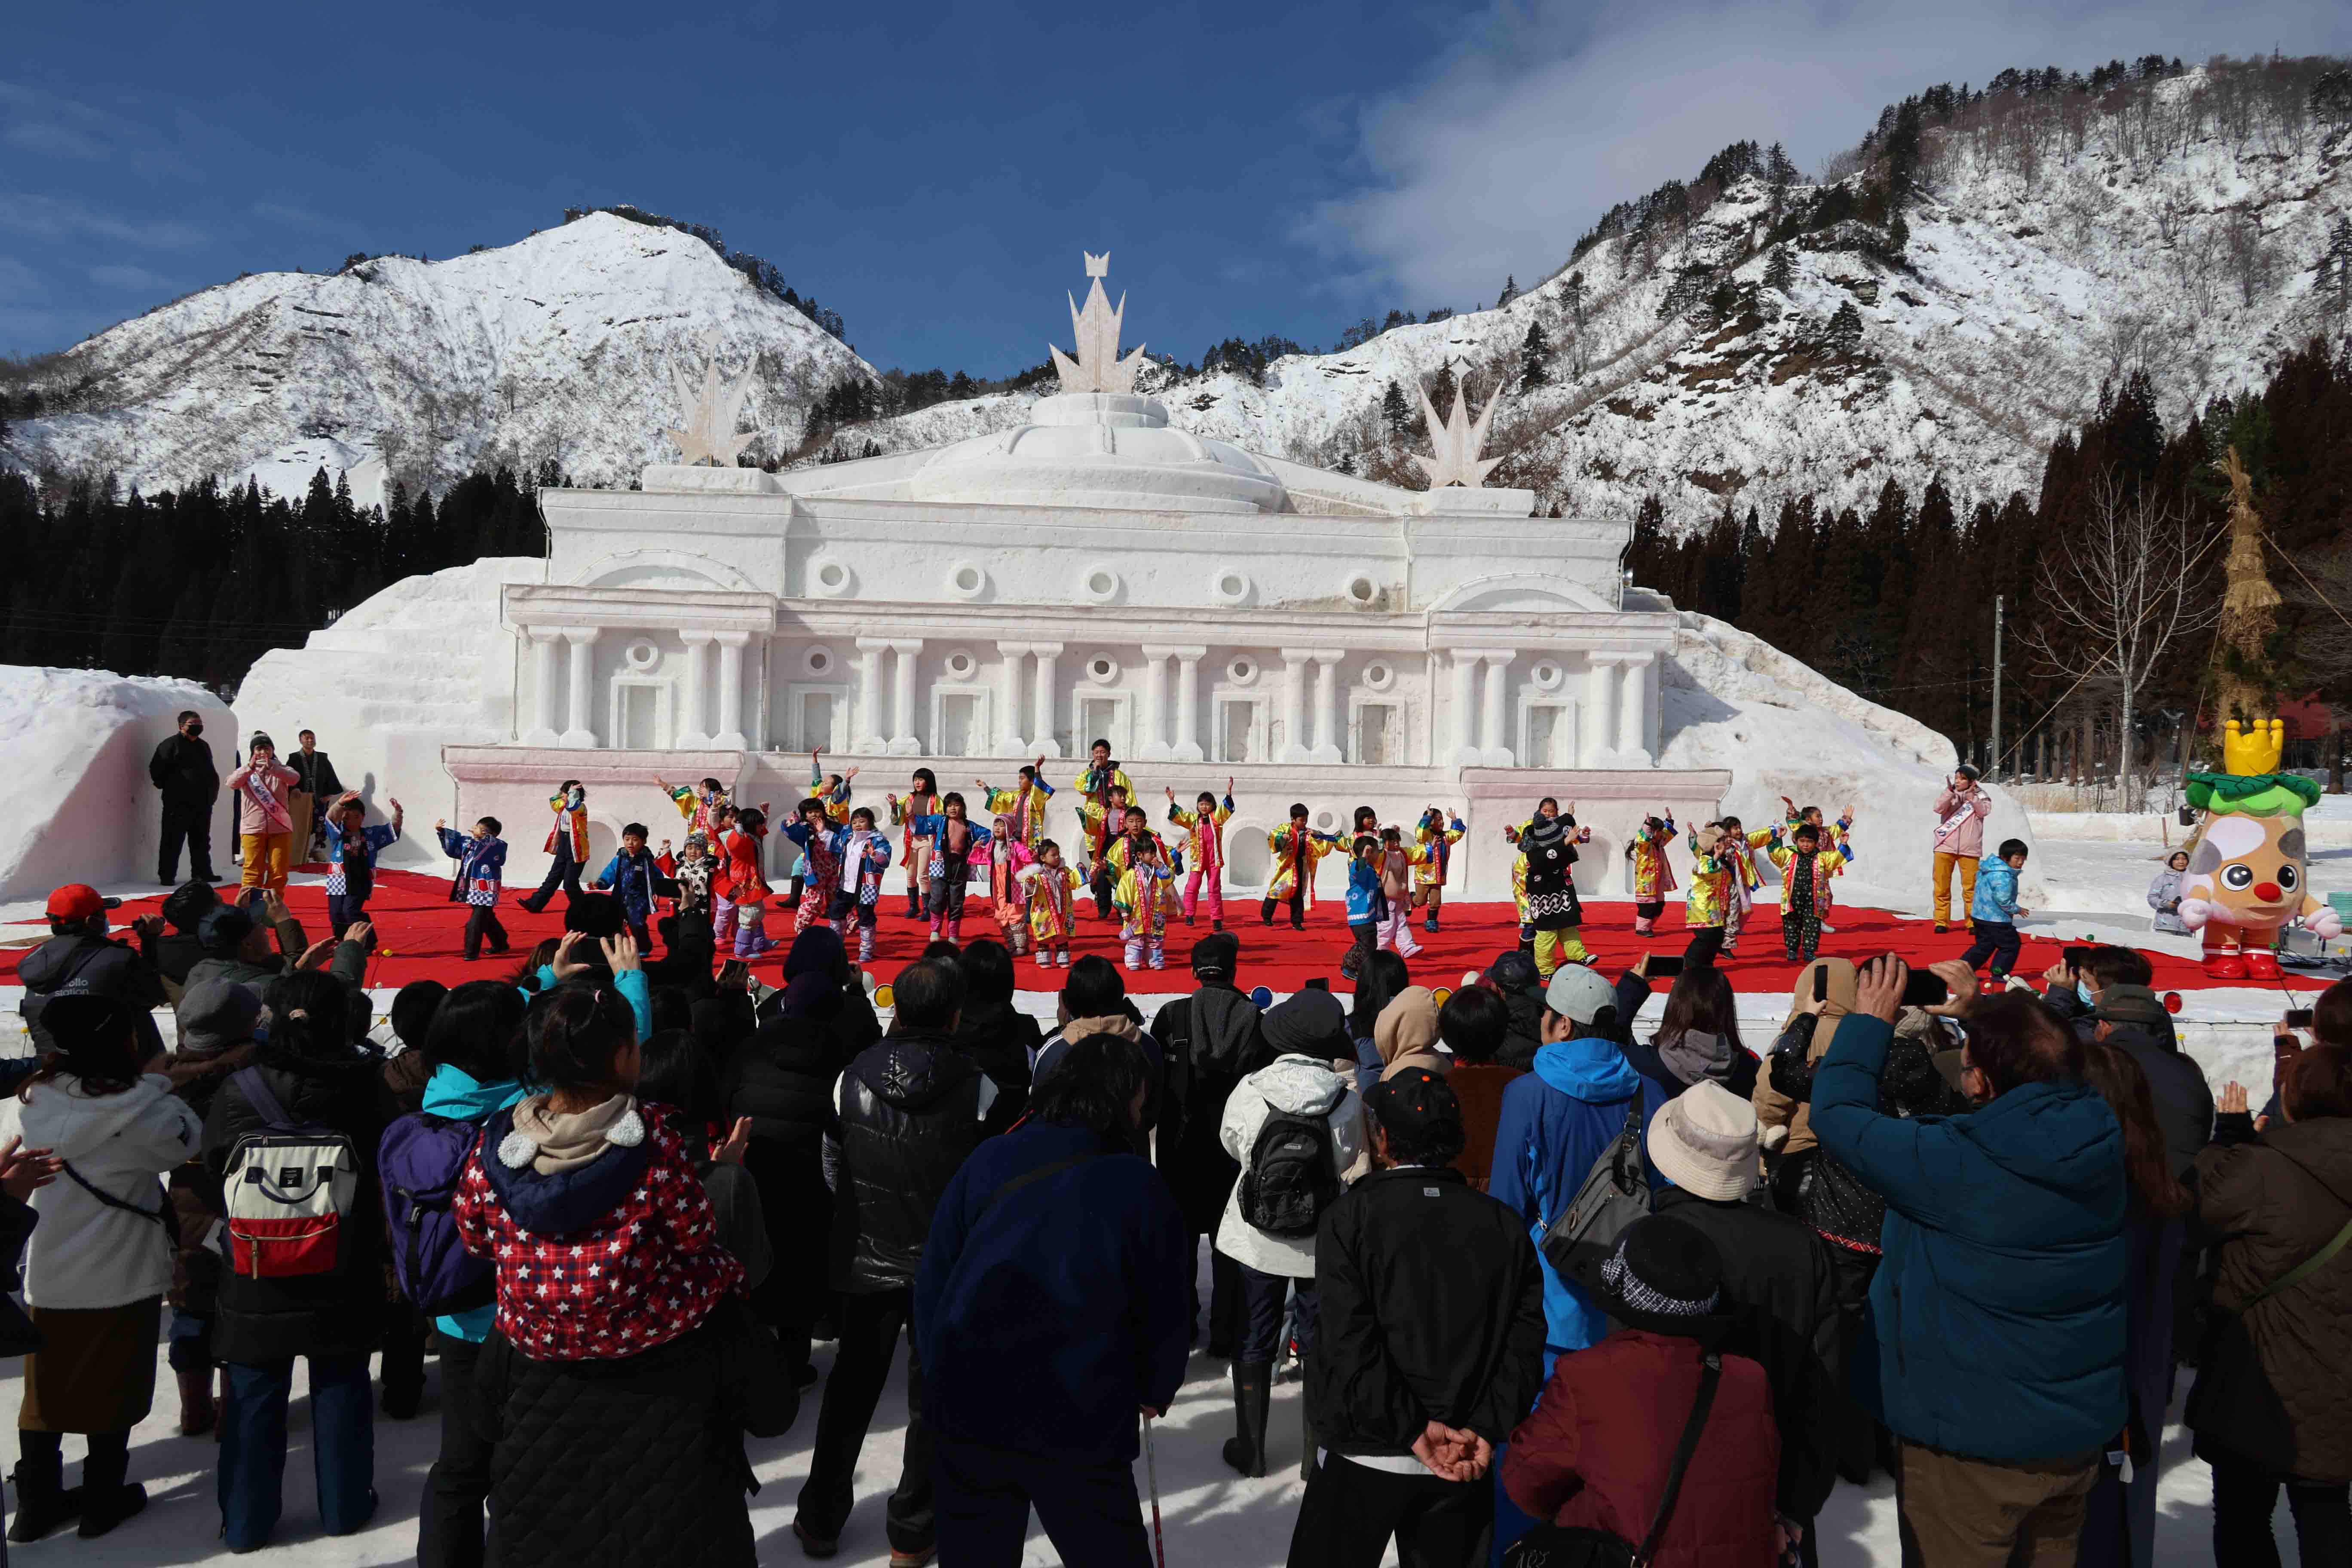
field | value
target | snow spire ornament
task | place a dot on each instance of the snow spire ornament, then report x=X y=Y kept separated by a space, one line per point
x=710 y=414
x=1456 y=442
x=1096 y=366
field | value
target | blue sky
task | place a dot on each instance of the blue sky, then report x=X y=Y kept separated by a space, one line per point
x=932 y=170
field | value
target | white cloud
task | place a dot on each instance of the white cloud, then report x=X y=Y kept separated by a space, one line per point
x=125 y=277
x=59 y=217
x=49 y=136
x=1554 y=110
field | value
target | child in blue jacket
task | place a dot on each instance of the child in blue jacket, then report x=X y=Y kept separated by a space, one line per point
x=351 y=849
x=481 y=872
x=1366 y=908
x=635 y=878
x=1992 y=914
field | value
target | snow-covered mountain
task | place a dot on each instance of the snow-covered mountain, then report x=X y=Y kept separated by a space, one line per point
x=560 y=346
x=2055 y=242
x=2057 y=237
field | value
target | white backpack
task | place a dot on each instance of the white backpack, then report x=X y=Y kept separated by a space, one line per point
x=288 y=1191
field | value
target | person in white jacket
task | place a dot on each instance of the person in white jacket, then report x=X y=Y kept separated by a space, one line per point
x=98 y=1262
x=1295 y=1127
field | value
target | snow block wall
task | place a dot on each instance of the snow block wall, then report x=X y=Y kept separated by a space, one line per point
x=1734 y=701
x=79 y=807
x=421 y=665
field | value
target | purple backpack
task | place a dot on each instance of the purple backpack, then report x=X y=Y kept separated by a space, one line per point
x=420 y=1160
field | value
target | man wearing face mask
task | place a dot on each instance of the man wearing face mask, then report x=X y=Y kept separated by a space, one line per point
x=182 y=768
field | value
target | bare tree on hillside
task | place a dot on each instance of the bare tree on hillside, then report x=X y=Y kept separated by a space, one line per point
x=2113 y=602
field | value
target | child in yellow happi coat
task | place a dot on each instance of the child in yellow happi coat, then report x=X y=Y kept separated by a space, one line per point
x=1437 y=834
x=1023 y=805
x=1739 y=848
x=1714 y=891
x=1146 y=897
x=1653 y=878
x=1297 y=850
x=1052 y=892
x=1805 y=871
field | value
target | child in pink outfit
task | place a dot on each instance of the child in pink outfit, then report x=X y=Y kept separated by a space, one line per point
x=1204 y=849
x=265 y=821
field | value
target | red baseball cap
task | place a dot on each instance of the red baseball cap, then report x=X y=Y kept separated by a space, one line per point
x=79 y=901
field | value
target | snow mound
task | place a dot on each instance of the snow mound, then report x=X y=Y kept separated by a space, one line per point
x=79 y=807
x=394 y=680
x=1782 y=728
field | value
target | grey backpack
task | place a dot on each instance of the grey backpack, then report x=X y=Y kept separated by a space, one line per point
x=1615 y=1193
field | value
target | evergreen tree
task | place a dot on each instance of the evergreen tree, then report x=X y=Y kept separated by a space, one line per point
x=1780 y=272
x=1572 y=293
x=1443 y=393
x=1510 y=293
x=1394 y=411
x=1844 y=331
x=2339 y=254
x=1535 y=351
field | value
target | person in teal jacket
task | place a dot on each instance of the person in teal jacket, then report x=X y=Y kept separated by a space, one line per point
x=622 y=958
x=1994 y=909
x=1997 y=1320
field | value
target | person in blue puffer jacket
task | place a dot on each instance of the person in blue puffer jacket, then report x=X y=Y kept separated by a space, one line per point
x=634 y=877
x=1993 y=911
x=1995 y=1350
x=476 y=1052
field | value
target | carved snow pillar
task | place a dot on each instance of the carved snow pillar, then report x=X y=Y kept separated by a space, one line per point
x=1633 y=710
x=1598 y=744
x=581 y=734
x=1041 y=716
x=1463 y=721
x=542 y=731
x=1492 y=748
x=1327 y=703
x=1008 y=698
x=729 y=735
x=1187 y=748
x=1294 y=748
x=903 y=743
x=695 y=699
x=1153 y=747
x=870 y=740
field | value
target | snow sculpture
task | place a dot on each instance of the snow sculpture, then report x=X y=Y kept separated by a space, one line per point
x=2247 y=872
x=1456 y=443
x=1097 y=367
x=710 y=414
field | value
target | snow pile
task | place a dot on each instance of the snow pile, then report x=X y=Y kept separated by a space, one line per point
x=79 y=807
x=1784 y=729
x=394 y=680
x=558 y=348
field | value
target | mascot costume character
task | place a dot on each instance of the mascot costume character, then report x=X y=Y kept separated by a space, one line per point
x=2247 y=878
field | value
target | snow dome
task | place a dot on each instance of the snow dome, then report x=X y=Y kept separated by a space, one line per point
x=1109 y=449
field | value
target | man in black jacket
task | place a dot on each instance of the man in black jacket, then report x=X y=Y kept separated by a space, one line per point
x=314 y=781
x=1430 y=1347
x=1209 y=1042
x=1777 y=1282
x=182 y=768
x=909 y=1110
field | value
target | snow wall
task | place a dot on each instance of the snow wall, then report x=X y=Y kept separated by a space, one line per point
x=79 y=807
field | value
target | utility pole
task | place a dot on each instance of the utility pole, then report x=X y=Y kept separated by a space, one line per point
x=1996 y=686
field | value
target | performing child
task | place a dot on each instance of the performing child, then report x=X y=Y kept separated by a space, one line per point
x=1364 y=905
x=1993 y=911
x=1739 y=848
x=863 y=854
x=264 y=815
x=819 y=874
x=692 y=869
x=1051 y=888
x=1549 y=845
x=1437 y=834
x=923 y=800
x=567 y=840
x=1205 y=828
x=1547 y=809
x=740 y=886
x=1146 y=897
x=1022 y=806
x=1007 y=898
x=831 y=791
x=1714 y=891
x=636 y=878
x=1805 y=871
x=351 y=849
x=699 y=803
x=1837 y=835
x=482 y=867
x=953 y=841
x=1397 y=861
x=1297 y=850
x=1653 y=878
x=1105 y=791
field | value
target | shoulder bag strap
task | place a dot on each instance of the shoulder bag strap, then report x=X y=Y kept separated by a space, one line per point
x=259 y=1095
x=163 y=1215
x=2306 y=1269
x=1051 y=1168
x=1708 y=1378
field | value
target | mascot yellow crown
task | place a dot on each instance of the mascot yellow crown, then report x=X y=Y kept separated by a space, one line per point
x=2251 y=750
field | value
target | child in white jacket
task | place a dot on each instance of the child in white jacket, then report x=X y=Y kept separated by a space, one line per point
x=98 y=1261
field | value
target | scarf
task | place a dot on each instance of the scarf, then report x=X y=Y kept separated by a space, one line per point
x=559 y=1140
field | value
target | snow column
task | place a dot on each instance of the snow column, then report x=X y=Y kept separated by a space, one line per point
x=1154 y=747
x=1187 y=748
x=543 y=730
x=580 y=734
x=731 y=737
x=1465 y=704
x=1633 y=710
x=691 y=732
x=1041 y=717
x=903 y=743
x=1294 y=748
x=870 y=739
x=1327 y=703
x=1492 y=749
x=1009 y=655
x=1598 y=742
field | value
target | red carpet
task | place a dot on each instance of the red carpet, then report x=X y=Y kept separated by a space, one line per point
x=418 y=932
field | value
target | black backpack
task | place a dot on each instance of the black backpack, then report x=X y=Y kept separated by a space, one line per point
x=1291 y=1178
